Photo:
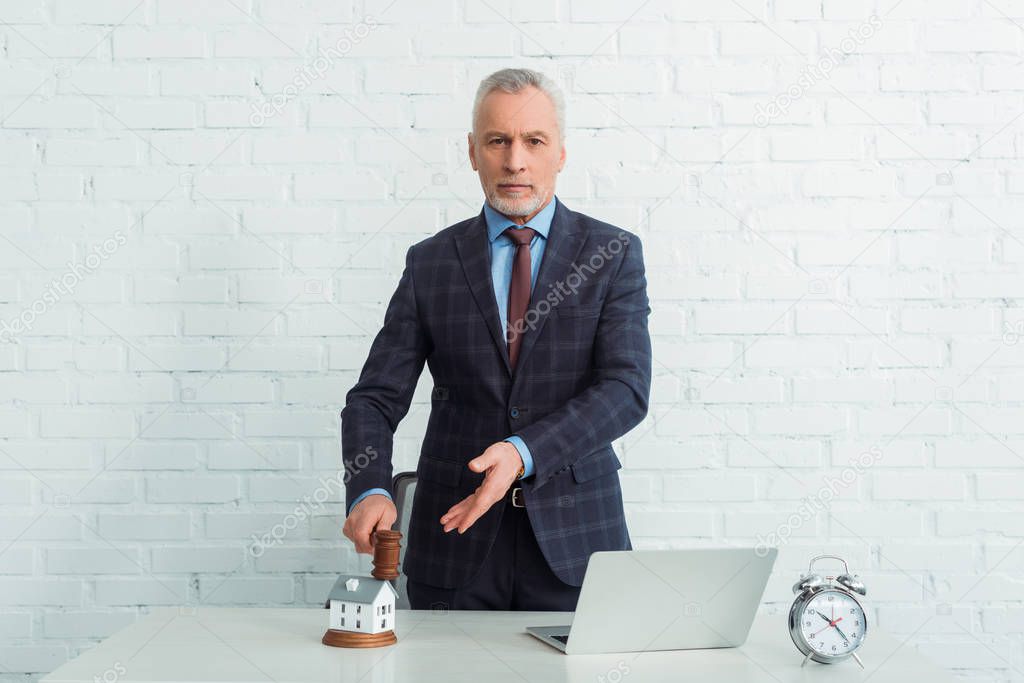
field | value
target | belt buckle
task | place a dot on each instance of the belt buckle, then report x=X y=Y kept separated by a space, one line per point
x=517 y=497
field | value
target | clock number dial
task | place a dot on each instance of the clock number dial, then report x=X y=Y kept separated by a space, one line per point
x=832 y=624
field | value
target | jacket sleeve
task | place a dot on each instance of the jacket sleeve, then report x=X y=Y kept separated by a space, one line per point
x=618 y=398
x=382 y=395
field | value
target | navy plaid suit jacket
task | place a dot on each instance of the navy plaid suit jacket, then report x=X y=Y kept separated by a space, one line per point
x=582 y=380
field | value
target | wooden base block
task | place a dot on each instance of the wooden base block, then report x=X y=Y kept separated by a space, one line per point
x=351 y=639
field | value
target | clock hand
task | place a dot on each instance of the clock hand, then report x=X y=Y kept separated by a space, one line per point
x=842 y=634
x=826 y=628
x=830 y=624
x=826 y=619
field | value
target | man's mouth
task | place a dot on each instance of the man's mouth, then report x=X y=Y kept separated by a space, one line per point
x=513 y=187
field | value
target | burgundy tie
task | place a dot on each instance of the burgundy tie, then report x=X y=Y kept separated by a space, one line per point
x=519 y=292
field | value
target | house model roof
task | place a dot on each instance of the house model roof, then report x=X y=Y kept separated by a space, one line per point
x=366 y=588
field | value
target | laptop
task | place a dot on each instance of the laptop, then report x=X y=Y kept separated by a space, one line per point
x=648 y=600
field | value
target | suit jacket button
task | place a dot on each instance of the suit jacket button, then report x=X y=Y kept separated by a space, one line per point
x=514 y=413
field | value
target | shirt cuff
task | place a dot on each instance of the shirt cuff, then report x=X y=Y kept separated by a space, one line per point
x=364 y=494
x=524 y=453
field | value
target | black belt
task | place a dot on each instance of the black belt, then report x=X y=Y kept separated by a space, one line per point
x=515 y=497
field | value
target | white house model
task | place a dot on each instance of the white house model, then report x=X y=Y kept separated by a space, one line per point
x=362 y=604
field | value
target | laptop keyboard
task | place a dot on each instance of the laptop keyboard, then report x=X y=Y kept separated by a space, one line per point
x=561 y=639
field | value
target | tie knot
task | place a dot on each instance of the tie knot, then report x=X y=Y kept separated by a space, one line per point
x=519 y=236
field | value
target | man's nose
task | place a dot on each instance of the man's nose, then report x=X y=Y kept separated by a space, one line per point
x=515 y=158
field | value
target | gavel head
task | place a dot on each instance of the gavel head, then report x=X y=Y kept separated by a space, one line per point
x=386 y=548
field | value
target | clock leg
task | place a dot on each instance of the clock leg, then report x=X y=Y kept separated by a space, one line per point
x=858 y=659
x=805 y=659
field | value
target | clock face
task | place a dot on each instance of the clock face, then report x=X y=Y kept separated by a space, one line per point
x=832 y=623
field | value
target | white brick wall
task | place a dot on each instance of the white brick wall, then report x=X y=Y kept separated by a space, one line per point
x=827 y=192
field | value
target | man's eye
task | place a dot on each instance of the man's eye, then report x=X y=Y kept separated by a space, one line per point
x=536 y=140
x=496 y=140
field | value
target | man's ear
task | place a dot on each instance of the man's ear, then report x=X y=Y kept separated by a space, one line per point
x=472 y=150
x=561 y=159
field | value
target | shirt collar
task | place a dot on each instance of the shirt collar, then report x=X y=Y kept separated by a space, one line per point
x=496 y=223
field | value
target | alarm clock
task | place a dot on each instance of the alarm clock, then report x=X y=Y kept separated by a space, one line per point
x=827 y=622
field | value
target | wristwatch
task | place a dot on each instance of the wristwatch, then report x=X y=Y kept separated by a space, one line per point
x=522 y=471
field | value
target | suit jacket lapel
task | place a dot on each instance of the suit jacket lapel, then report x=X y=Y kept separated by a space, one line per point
x=475 y=253
x=565 y=239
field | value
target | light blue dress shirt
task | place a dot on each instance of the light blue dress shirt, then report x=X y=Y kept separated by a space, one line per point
x=502 y=255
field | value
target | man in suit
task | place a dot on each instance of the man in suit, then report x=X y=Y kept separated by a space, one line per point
x=532 y=319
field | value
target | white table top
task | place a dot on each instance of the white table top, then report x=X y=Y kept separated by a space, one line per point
x=234 y=644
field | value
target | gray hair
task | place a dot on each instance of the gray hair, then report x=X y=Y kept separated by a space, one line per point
x=514 y=80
